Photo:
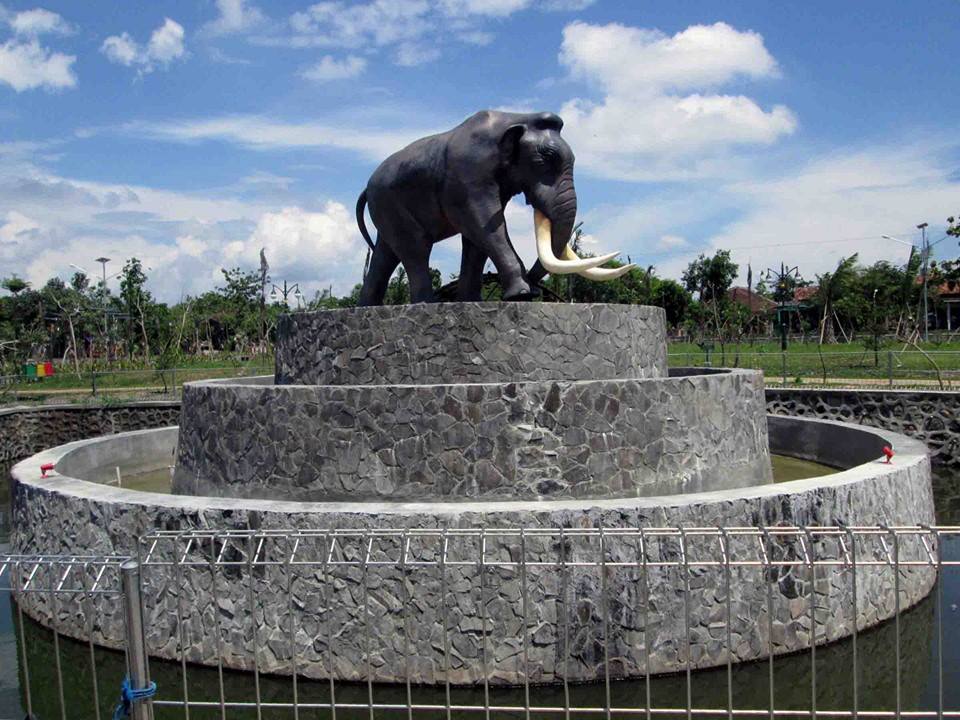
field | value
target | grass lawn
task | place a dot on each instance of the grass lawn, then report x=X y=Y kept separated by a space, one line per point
x=803 y=363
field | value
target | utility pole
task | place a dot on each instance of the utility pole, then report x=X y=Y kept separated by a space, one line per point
x=922 y=227
x=103 y=296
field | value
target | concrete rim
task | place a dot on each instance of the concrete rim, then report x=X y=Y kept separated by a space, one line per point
x=909 y=453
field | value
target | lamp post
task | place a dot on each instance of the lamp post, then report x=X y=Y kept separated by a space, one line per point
x=926 y=248
x=103 y=296
x=780 y=279
x=106 y=319
x=922 y=227
x=285 y=292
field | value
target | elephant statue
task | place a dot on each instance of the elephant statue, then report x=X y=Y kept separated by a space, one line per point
x=460 y=181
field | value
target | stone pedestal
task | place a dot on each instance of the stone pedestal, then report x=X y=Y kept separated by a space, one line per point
x=494 y=401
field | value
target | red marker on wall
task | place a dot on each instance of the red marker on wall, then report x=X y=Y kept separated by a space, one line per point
x=888 y=452
x=45 y=468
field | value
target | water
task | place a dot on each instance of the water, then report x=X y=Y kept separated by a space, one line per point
x=919 y=681
x=787 y=468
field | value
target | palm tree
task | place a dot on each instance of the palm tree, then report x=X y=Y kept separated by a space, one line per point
x=832 y=286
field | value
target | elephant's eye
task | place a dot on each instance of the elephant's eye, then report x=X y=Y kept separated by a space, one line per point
x=548 y=156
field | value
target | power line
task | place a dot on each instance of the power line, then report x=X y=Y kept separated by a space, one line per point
x=687 y=251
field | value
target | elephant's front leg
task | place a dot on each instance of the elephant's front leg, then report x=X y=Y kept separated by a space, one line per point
x=482 y=222
x=470 y=282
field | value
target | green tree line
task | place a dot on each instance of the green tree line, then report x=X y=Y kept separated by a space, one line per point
x=84 y=324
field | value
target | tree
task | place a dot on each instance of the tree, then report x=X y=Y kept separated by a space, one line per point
x=14 y=284
x=832 y=287
x=238 y=314
x=79 y=281
x=710 y=277
x=68 y=302
x=137 y=301
x=672 y=297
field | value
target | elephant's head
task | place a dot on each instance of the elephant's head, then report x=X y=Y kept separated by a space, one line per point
x=539 y=163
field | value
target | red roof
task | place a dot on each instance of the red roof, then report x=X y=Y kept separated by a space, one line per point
x=755 y=303
x=802 y=294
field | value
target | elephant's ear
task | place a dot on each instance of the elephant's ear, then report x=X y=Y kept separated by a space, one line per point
x=509 y=142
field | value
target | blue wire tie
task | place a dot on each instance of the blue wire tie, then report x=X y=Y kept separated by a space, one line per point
x=129 y=695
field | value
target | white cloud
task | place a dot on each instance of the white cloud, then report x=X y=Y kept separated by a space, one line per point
x=316 y=247
x=839 y=204
x=265 y=134
x=185 y=237
x=191 y=246
x=28 y=65
x=15 y=226
x=39 y=22
x=644 y=127
x=413 y=54
x=414 y=31
x=671 y=242
x=121 y=49
x=234 y=16
x=503 y=8
x=809 y=214
x=380 y=22
x=330 y=68
x=166 y=43
x=700 y=56
x=493 y=8
x=165 y=46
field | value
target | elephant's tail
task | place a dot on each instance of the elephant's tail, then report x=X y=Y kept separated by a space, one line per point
x=361 y=204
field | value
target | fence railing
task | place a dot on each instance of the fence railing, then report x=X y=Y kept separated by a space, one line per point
x=553 y=597
x=886 y=368
x=105 y=383
x=865 y=368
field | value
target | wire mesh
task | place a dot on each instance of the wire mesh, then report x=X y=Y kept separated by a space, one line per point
x=55 y=587
x=520 y=622
x=550 y=621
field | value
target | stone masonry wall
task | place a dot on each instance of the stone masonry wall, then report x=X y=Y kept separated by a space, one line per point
x=470 y=342
x=601 y=438
x=389 y=620
x=932 y=417
x=25 y=431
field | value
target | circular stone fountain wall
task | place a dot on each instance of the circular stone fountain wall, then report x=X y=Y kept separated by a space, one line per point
x=647 y=620
x=517 y=430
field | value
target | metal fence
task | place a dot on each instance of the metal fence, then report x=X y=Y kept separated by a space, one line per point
x=872 y=674
x=936 y=369
x=111 y=383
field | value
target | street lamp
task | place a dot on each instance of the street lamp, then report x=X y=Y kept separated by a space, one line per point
x=103 y=296
x=285 y=291
x=925 y=249
x=103 y=282
x=781 y=283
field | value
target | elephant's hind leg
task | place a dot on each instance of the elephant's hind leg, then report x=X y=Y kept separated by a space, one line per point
x=382 y=264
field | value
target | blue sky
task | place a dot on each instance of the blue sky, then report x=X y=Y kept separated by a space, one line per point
x=193 y=133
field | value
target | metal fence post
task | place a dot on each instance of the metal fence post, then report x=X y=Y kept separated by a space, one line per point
x=136 y=643
x=783 y=362
x=93 y=382
x=890 y=367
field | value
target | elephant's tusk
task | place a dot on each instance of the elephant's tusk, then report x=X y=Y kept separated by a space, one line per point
x=551 y=263
x=600 y=274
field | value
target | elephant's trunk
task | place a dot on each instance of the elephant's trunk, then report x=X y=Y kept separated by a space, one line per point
x=554 y=227
x=553 y=219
